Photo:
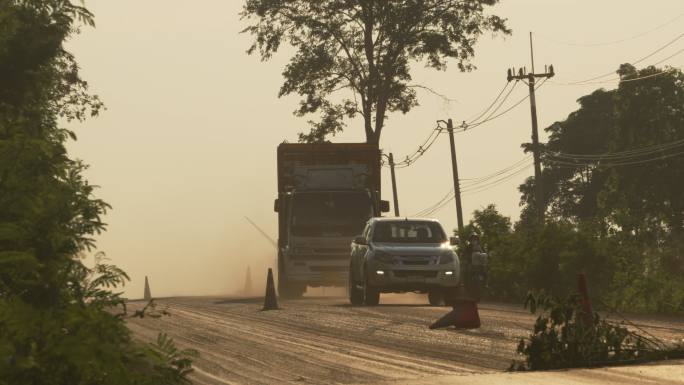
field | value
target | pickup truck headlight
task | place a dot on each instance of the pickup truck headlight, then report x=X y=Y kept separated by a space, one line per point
x=382 y=256
x=446 y=258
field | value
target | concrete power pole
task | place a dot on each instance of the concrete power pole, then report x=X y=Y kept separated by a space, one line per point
x=454 y=169
x=531 y=77
x=394 y=185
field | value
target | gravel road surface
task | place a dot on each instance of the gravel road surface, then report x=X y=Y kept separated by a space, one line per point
x=324 y=340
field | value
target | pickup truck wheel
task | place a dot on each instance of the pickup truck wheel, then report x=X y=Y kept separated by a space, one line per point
x=436 y=298
x=372 y=295
x=355 y=292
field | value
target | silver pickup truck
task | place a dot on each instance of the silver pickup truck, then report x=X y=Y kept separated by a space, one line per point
x=398 y=255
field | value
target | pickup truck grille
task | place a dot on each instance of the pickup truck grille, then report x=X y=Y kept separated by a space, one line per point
x=416 y=260
x=414 y=273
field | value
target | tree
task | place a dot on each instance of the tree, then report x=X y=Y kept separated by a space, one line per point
x=60 y=321
x=626 y=209
x=366 y=47
x=636 y=191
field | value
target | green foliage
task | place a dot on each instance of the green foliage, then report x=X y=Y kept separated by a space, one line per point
x=365 y=47
x=84 y=339
x=641 y=197
x=623 y=225
x=60 y=321
x=565 y=336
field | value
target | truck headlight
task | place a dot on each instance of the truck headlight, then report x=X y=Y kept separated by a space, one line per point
x=446 y=258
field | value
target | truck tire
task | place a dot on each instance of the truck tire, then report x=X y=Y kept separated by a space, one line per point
x=288 y=290
x=371 y=295
x=436 y=297
x=355 y=293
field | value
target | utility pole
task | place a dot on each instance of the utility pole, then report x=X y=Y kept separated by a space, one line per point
x=531 y=77
x=454 y=168
x=394 y=185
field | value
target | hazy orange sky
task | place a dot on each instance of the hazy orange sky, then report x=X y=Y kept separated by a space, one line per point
x=187 y=146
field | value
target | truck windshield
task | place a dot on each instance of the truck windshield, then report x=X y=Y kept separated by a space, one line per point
x=330 y=213
x=408 y=232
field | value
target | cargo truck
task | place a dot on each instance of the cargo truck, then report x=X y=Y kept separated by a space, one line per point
x=326 y=193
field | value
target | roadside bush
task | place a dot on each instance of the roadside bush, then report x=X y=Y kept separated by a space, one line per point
x=565 y=337
x=84 y=339
x=624 y=272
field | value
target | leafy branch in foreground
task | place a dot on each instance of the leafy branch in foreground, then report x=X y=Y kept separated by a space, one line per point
x=565 y=336
x=61 y=322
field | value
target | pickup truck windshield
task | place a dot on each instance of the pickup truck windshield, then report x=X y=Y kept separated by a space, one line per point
x=330 y=213
x=408 y=232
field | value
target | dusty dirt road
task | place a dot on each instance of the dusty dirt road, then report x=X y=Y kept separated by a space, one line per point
x=323 y=340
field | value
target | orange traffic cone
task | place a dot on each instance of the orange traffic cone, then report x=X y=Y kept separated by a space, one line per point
x=148 y=294
x=463 y=316
x=270 y=301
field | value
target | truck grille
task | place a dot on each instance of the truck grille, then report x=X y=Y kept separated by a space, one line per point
x=329 y=250
x=320 y=257
x=328 y=268
x=414 y=273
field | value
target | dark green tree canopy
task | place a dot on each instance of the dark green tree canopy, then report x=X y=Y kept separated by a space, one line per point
x=638 y=191
x=366 y=47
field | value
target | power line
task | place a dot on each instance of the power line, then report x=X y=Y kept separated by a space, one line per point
x=506 y=110
x=498 y=181
x=641 y=151
x=615 y=164
x=613 y=159
x=615 y=41
x=631 y=157
x=418 y=153
x=430 y=140
x=474 y=123
x=476 y=181
x=621 y=80
x=633 y=63
x=434 y=208
x=470 y=120
x=479 y=184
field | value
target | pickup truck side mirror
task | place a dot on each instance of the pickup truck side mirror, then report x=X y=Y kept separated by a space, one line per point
x=359 y=240
x=453 y=241
x=276 y=205
x=384 y=206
